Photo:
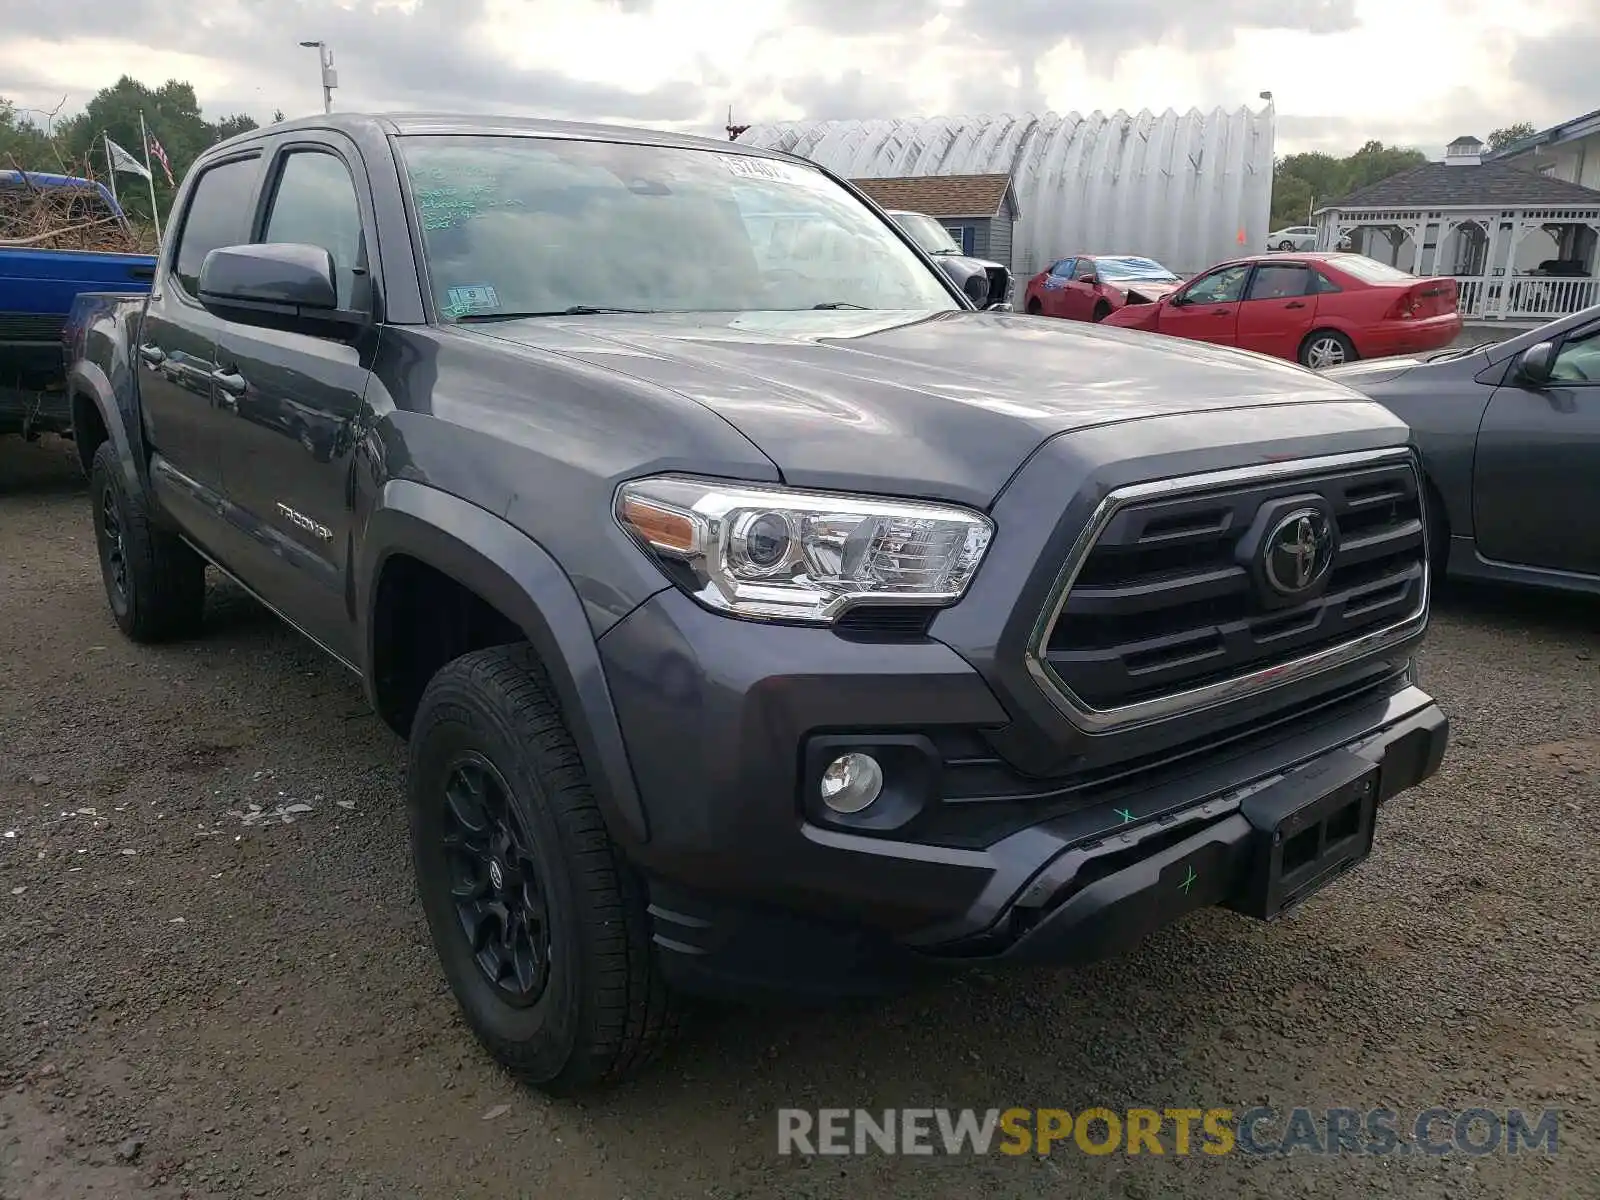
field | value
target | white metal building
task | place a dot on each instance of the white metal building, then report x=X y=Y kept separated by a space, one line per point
x=1187 y=189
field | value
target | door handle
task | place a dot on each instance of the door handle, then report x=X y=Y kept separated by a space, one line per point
x=1295 y=304
x=1221 y=312
x=229 y=381
x=152 y=354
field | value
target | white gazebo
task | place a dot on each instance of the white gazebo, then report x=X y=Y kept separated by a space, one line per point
x=1521 y=245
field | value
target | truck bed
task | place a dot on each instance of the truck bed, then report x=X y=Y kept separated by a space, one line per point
x=37 y=292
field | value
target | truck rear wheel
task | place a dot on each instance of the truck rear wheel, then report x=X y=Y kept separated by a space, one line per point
x=539 y=924
x=155 y=584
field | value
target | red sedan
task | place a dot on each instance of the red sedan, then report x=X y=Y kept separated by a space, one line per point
x=1318 y=309
x=1090 y=287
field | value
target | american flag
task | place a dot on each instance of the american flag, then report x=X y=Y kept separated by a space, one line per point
x=160 y=155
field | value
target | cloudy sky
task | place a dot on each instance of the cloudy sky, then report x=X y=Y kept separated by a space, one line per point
x=1411 y=71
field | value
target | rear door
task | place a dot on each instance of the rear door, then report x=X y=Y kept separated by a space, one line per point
x=1207 y=310
x=296 y=398
x=1536 y=478
x=1278 y=310
x=176 y=353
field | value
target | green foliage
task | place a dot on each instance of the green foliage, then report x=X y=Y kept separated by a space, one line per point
x=22 y=140
x=1301 y=181
x=171 y=114
x=1499 y=139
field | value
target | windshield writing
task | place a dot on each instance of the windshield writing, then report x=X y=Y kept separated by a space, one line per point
x=536 y=225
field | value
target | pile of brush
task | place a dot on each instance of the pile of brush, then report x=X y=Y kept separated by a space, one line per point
x=49 y=216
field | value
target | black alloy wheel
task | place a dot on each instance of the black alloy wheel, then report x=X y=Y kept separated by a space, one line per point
x=499 y=895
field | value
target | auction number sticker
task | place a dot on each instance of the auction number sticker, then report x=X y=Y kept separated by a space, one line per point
x=471 y=297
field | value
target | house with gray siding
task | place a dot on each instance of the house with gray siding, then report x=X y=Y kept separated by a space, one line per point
x=978 y=210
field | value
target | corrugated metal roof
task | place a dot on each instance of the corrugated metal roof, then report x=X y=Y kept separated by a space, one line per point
x=1188 y=189
x=941 y=195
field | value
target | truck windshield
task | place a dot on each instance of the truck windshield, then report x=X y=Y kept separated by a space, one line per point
x=926 y=232
x=527 y=225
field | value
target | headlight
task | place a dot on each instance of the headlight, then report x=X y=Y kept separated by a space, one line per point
x=777 y=554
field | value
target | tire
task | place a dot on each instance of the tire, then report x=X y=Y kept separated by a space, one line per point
x=1101 y=312
x=1035 y=309
x=1286 y=244
x=155 y=584
x=596 y=1010
x=1326 y=348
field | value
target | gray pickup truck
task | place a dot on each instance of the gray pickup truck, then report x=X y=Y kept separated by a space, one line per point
x=760 y=620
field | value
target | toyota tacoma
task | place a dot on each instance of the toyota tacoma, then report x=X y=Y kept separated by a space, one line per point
x=761 y=618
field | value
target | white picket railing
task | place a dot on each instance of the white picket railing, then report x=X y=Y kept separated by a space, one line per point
x=1524 y=297
x=1546 y=297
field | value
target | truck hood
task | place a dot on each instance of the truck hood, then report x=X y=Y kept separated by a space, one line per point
x=937 y=405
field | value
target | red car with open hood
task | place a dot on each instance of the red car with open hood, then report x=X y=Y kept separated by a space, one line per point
x=1317 y=309
x=1090 y=287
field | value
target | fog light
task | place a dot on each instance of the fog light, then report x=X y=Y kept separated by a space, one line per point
x=851 y=782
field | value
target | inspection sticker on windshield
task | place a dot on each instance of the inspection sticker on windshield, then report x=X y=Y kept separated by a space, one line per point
x=470 y=298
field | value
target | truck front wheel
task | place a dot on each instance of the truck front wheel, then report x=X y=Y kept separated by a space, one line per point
x=539 y=924
x=155 y=584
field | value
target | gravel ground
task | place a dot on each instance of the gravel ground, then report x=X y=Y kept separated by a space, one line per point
x=210 y=991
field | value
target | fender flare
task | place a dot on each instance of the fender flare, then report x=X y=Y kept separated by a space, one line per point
x=511 y=571
x=88 y=381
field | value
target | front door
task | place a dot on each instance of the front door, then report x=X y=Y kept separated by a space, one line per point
x=175 y=357
x=1536 y=482
x=296 y=403
x=1207 y=310
x=1278 y=310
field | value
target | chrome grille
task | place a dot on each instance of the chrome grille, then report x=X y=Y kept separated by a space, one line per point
x=1164 y=606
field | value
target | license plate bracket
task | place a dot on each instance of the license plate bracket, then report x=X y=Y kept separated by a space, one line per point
x=1310 y=827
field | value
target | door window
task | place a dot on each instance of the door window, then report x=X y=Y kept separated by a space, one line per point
x=1579 y=360
x=1085 y=266
x=1225 y=285
x=315 y=204
x=1063 y=269
x=218 y=215
x=1274 y=282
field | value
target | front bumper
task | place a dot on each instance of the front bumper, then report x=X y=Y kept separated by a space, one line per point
x=751 y=891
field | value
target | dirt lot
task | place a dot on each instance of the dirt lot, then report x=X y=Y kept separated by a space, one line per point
x=201 y=998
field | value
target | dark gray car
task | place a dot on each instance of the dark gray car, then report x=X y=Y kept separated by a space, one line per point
x=1510 y=439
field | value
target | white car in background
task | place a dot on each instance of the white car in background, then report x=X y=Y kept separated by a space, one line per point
x=1300 y=238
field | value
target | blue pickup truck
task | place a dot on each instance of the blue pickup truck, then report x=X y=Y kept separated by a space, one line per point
x=37 y=288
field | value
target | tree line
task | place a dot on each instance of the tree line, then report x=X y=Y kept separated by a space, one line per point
x=72 y=145
x=1302 y=183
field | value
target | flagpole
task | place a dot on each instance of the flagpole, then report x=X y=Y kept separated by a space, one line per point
x=111 y=170
x=150 y=177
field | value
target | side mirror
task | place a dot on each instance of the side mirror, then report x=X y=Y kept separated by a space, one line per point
x=284 y=285
x=1000 y=306
x=1090 y=278
x=1537 y=364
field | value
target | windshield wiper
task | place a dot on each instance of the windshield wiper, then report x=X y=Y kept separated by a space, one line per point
x=1448 y=355
x=576 y=310
x=839 y=304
